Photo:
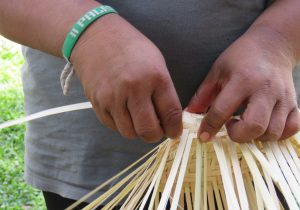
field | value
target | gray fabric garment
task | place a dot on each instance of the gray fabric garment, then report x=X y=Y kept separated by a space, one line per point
x=71 y=153
x=296 y=76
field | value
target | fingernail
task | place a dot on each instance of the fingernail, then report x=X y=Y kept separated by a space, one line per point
x=204 y=136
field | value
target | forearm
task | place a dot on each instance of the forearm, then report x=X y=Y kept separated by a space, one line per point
x=282 y=19
x=39 y=24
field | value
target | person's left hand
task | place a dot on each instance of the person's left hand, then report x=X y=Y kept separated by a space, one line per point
x=254 y=72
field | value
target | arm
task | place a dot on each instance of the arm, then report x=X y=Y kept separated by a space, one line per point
x=283 y=19
x=123 y=73
x=41 y=25
x=255 y=72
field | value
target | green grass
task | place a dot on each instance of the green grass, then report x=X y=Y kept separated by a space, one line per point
x=14 y=192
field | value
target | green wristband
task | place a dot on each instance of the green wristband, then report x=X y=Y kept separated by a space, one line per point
x=80 y=26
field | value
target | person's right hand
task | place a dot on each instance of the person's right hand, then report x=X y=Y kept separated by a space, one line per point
x=125 y=77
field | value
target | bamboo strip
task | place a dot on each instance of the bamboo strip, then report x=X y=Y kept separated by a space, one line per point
x=259 y=200
x=271 y=188
x=263 y=161
x=104 y=196
x=294 y=186
x=188 y=198
x=48 y=112
x=146 y=180
x=228 y=185
x=297 y=137
x=173 y=172
x=119 y=197
x=182 y=171
x=198 y=177
x=214 y=175
x=285 y=189
x=223 y=198
x=250 y=192
x=205 y=177
x=290 y=161
x=238 y=176
x=97 y=189
x=217 y=195
x=156 y=179
x=293 y=154
x=260 y=184
x=211 y=201
x=143 y=178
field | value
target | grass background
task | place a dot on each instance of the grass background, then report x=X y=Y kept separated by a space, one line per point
x=14 y=192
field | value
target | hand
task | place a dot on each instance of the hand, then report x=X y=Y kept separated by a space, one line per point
x=126 y=79
x=256 y=72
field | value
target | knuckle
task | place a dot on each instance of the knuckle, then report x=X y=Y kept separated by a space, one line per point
x=293 y=127
x=210 y=124
x=218 y=114
x=100 y=97
x=149 y=134
x=159 y=75
x=94 y=97
x=273 y=134
x=215 y=118
x=270 y=136
x=129 y=82
x=161 y=78
x=243 y=75
x=293 y=123
x=256 y=127
x=266 y=84
x=128 y=134
x=275 y=128
x=173 y=117
x=238 y=138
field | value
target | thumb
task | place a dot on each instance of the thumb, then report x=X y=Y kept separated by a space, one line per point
x=204 y=96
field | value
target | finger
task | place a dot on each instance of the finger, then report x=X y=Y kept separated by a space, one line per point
x=254 y=121
x=226 y=103
x=169 y=110
x=276 y=125
x=123 y=120
x=292 y=124
x=204 y=96
x=107 y=120
x=103 y=115
x=145 y=120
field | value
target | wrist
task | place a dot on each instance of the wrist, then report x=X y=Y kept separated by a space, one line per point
x=105 y=39
x=98 y=33
x=79 y=8
x=273 y=42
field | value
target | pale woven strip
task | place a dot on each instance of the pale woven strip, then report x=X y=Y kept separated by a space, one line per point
x=156 y=178
x=174 y=170
x=182 y=171
x=48 y=112
x=257 y=178
x=285 y=189
x=231 y=198
x=277 y=162
x=238 y=176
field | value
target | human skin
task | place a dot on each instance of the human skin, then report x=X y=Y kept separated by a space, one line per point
x=134 y=94
x=256 y=72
